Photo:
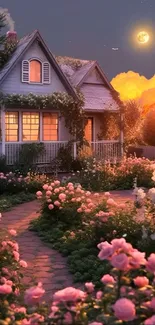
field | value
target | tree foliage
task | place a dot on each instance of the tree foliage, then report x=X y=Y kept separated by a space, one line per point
x=149 y=128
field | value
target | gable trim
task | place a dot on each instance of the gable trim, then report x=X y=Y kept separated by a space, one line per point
x=103 y=76
x=51 y=58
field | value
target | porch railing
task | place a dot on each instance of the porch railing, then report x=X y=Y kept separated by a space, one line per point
x=108 y=150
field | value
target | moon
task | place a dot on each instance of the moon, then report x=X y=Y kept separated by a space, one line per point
x=143 y=37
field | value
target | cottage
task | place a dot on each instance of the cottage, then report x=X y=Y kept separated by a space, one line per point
x=30 y=76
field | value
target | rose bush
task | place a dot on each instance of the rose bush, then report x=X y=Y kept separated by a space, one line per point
x=12 y=183
x=126 y=296
x=100 y=175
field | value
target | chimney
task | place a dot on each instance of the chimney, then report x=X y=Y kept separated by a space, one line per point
x=11 y=40
x=11 y=36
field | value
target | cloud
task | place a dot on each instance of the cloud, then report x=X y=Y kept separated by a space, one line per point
x=132 y=85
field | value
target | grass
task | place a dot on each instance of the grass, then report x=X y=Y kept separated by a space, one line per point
x=9 y=201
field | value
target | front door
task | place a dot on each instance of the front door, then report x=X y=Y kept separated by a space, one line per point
x=89 y=129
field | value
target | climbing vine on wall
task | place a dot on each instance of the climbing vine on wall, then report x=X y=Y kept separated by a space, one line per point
x=70 y=109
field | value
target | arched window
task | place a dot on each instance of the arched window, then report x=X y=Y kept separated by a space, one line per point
x=35 y=71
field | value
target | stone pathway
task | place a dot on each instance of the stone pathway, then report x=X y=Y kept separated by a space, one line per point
x=44 y=264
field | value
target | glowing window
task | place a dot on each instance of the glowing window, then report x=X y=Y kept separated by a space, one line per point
x=35 y=71
x=50 y=127
x=11 y=126
x=30 y=126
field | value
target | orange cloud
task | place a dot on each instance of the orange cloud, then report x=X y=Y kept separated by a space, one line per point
x=132 y=85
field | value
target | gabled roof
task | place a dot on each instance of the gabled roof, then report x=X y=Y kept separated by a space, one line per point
x=22 y=47
x=77 y=70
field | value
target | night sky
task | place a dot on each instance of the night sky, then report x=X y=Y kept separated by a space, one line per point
x=89 y=29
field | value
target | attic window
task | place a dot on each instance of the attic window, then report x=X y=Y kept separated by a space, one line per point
x=34 y=71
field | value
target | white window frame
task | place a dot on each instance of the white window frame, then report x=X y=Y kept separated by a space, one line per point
x=42 y=72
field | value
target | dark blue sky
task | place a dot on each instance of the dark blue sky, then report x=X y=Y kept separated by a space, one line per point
x=89 y=29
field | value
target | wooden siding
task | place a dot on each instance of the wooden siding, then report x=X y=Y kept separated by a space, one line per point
x=94 y=77
x=13 y=84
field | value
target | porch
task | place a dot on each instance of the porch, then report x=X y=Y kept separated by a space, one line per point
x=107 y=150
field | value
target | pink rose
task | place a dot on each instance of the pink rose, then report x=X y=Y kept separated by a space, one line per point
x=120 y=261
x=56 y=190
x=23 y=263
x=141 y=281
x=152 y=303
x=13 y=232
x=150 y=265
x=136 y=259
x=107 y=279
x=89 y=286
x=16 y=255
x=106 y=252
x=124 y=309
x=62 y=197
x=57 y=203
x=57 y=182
x=96 y=323
x=99 y=294
x=39 y=193
x=34 y=294
x=5 y=289
x=79 y=210
x=96 y=194
x=150 y=321
x=68 y=294
x=107 y=194
x=51 y=206
x=49 y=188
x=111 y=202
x=70 y=184
x=45 y=187
x=48 y=193
x=88 y=193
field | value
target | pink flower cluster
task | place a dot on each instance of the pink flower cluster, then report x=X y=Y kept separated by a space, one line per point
x=57 y=197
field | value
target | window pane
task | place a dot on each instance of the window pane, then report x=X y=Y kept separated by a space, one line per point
x=11 y=126
x=31 y=131
x=50 y=127
x=35 y=71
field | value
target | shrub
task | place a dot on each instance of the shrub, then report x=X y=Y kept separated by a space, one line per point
x=28 y=155
x=148 y=128
x=126 y=295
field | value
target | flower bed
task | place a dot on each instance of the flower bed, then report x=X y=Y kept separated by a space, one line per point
x=100 y=175
x=126 y=296
x=73 y=223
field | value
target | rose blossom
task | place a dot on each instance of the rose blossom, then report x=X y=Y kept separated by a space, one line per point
x=150 y=266
x=136 y=259
x=96 y=323
x=124 y=309
x=107 y=279
x=51 y=206
x=99 y=294
x=48 y=193
x=56 y=182
x=120 y=261
x=34 y=294
x=45 y=187
x=5 y=289
x=105 y=252
x=13 y=232
x=141 y=281
x=23 y=263
x=89 y=286
x=39 y=193
x=152 y=303
x=111 y=202
x=56 y=190
x=16 y=255
x=57 y=203
x=68 y=294
x=150 y=321
x=62 y=196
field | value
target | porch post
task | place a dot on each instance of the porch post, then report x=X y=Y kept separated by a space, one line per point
x=121 y=134
x=3 y=128
x=74 y=150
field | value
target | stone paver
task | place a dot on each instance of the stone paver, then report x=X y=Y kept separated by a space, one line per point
x=44 y=264
x=53 y=275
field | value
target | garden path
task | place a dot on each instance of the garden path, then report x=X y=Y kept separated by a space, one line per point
x=44 y=264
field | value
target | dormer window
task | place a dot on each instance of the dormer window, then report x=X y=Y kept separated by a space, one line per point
x=35 y=71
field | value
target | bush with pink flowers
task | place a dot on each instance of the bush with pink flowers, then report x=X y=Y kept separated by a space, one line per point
x=64 y=204
x=126 y=296
x=99 y=175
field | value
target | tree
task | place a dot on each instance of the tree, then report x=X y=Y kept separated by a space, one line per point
x=149 y=128
x=2 y=38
